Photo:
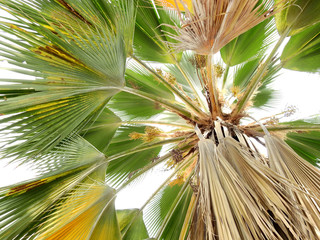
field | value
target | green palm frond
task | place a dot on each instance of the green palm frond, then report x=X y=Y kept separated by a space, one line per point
x=301 y=53
x=125 y=104
x=150 y=40
x=141 y=147
x=100 y=131
x=165 y=214
x=131 y=224
x=250 y=44
x=121 y=168
x=53 y=46
x=244 y=72
x=297 y=15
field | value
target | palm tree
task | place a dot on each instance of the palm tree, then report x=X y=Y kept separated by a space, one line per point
x=115 y=88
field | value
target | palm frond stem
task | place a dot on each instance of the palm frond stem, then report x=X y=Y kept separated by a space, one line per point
x=170 y=105
x=276 y=128
x=277 y=116
x=155 y=8
x=145 y=122
x=188 y=218
x=144 y=147
x=213 y=91
x=260 y=124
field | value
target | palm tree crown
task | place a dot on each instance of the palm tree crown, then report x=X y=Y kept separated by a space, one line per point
x=116 y=88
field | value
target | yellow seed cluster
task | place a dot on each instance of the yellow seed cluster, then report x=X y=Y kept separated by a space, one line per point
x=218 y=70
x=170 y=78
x=200 y=61
x=150 y=133
x=235 y=90
x=135 y=136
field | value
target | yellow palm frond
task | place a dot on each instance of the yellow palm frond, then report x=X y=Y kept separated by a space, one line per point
x=86 y=213
x=181 y=5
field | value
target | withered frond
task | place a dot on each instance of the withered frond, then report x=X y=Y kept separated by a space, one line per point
x=240 y=197
x=214 y=23
x=289 y=164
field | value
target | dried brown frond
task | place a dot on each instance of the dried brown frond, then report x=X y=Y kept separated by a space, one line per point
x=213 y=23
x=241 y=197
x=289 y=164
x=276 y=213
x=213 y=201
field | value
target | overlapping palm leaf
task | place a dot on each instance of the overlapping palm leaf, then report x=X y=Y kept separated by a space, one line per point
x=302 y=51
x=73 y=64
x=151 y=40
x=130 y=106
x=131 y=224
